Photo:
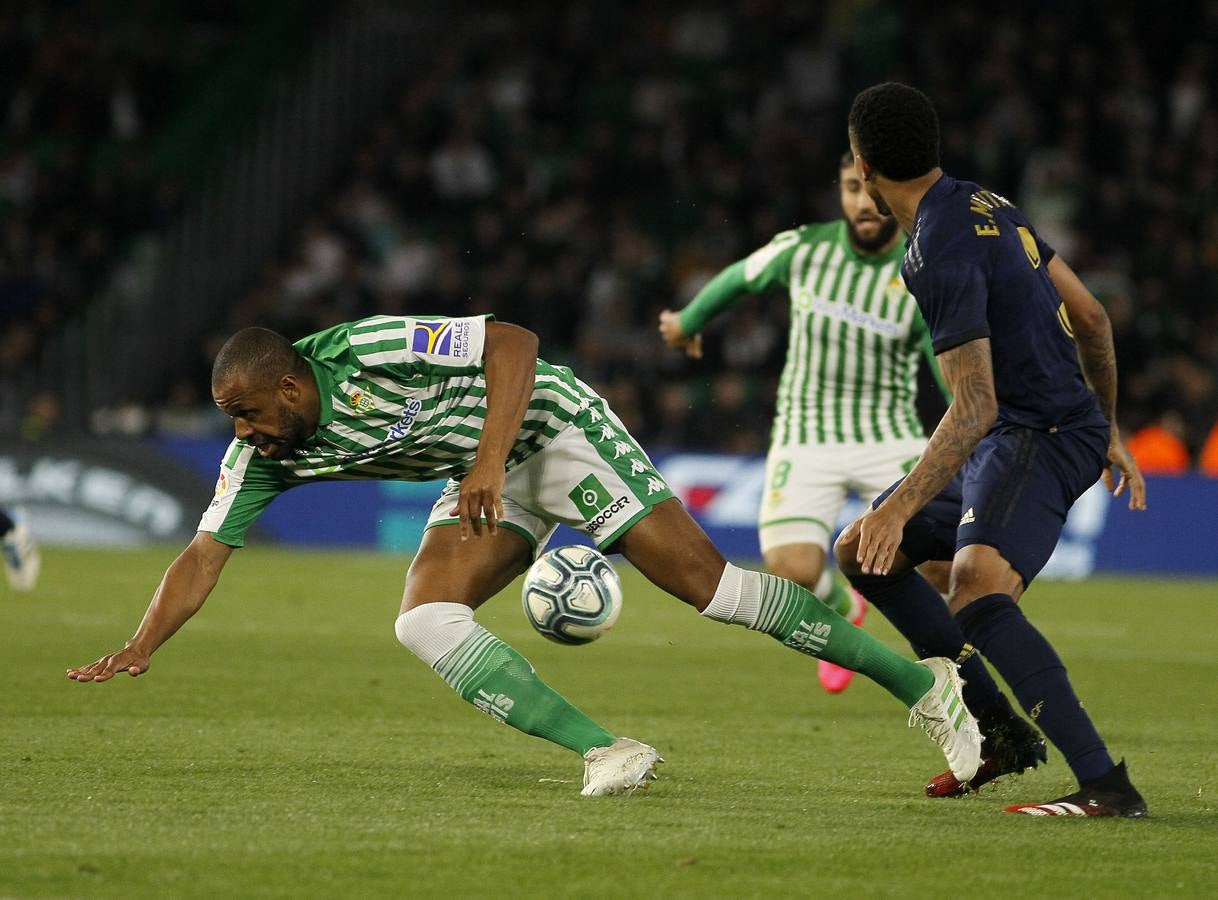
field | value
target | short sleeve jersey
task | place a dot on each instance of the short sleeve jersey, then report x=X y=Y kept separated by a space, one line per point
x=978 y=269
x=402 y=398
x=855 y=341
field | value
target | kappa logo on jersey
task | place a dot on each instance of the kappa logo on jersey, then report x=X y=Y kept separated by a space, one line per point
x=402 y=425
x=360 y=402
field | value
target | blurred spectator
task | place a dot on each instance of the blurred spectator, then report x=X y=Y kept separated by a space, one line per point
x=1209 y=454
x=577 y=170
x=41 y=417
x=579 y=194
x=1158 y=447
x=84 y=88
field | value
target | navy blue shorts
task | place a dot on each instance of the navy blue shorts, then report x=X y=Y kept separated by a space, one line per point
x=1012 y=494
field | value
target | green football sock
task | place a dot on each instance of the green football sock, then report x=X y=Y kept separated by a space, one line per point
x=500 y=682
x=838 y=599
x=794 y=616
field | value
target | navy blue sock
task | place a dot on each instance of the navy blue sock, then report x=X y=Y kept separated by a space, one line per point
x=1034 y=672
x=6 y=524
x=916 y=610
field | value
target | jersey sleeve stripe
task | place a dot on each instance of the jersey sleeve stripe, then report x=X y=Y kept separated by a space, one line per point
x=232 y=474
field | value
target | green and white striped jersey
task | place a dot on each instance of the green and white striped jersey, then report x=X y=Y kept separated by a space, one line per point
x=401 y=398
x=855 y=342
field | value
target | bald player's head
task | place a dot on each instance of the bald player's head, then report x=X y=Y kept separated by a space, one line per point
x=259 y=356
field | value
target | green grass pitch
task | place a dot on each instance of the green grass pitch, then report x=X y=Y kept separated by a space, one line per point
x=284 y=744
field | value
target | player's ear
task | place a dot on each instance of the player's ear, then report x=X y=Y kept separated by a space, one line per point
x=289 y=386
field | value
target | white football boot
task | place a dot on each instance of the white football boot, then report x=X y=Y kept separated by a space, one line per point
x=621 y=767
x=22 y=562
x=941 y=713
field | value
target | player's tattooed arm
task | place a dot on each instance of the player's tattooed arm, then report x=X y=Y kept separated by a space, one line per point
x=1092 y=331
x=969 y=373
x=1097 y=355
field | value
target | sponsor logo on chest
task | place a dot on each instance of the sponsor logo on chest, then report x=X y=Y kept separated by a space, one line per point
x=398 y=429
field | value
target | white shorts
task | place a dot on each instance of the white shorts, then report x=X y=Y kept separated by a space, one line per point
x=600 y=486
x=806 y=486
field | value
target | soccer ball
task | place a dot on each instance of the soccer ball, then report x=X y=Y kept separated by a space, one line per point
x=572 y=595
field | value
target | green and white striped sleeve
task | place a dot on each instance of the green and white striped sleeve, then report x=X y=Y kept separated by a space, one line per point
x=765 y=268
x=247 y=484
x=429 y=346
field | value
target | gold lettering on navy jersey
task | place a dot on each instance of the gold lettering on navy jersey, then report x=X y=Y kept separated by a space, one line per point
x=1030 y=248
x=983 y=203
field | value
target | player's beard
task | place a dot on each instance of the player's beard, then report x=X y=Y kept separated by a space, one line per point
x=292 y=431
x=873 y=244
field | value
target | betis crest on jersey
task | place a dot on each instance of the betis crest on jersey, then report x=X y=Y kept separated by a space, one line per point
x=360 y=402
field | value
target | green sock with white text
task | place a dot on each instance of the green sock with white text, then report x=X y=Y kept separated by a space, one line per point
x=500 y=682
x=794 y=616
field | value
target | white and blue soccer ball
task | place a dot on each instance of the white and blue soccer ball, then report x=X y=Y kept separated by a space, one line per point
x=572 y=595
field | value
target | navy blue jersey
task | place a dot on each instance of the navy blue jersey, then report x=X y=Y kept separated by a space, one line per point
x=978 y=269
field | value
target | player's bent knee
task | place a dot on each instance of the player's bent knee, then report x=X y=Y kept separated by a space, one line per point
x=979 y=571
x=846 y=555
x=431 y=630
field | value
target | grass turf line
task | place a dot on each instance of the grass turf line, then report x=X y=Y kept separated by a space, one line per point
x=284 y=744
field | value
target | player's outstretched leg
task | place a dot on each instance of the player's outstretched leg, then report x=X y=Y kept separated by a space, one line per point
x=805 y=563
x=918 y=612
x=499 y=681
x=851 y=606
x=671 y=550
x=931 y=690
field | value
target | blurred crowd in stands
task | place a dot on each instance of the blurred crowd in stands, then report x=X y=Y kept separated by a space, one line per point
x=577 y=172
x=84 y=94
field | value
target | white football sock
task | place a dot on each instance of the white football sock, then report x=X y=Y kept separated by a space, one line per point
x=737 y=600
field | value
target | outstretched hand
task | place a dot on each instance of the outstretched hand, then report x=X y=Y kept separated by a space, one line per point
x=481 y=496
x=675 y=337
x=879 y=532
x=1131 y=475
x=128 y=660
